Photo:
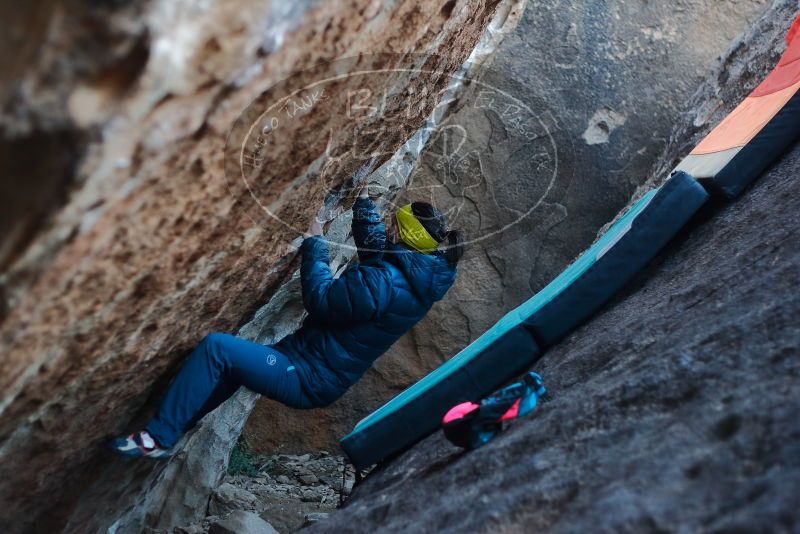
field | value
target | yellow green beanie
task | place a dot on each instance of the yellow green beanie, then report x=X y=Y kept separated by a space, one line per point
x=412 y=232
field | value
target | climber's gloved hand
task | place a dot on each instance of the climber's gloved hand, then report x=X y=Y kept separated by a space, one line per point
x=329 y=212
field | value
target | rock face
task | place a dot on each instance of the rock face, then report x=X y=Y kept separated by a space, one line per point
x=140 y=244
x=563 y=124
x=674 y=409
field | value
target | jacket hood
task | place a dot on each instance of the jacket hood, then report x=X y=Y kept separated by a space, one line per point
x=429 y=275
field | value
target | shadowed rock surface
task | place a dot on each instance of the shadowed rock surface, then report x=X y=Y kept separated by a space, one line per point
x=674 y=409
x=565 y=121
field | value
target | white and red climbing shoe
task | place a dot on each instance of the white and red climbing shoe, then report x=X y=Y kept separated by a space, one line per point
x=138 y=445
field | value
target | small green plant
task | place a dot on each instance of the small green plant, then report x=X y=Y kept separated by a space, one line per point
x=241 y=460
x=268 y=466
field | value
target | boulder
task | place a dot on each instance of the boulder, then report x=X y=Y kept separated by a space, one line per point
x=288 y=515
x=228 y=497
x=241 y=522
x=309 y=479
x=313 y=518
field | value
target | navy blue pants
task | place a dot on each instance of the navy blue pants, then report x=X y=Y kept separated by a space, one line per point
x=214 y=371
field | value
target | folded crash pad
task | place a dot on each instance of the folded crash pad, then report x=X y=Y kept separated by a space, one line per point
x=514 y=342
x=754 y=134
x=614 y=259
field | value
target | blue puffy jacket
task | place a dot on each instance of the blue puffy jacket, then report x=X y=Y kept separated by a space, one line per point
x=356 y=317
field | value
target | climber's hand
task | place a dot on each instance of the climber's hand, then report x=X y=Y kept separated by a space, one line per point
x=362 y=191
x=315 y=228
x=326 y=214
x=360 y=178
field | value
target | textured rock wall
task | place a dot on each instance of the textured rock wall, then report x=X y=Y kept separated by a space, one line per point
x=674 y=409
x=139 y=245
x=561 y=126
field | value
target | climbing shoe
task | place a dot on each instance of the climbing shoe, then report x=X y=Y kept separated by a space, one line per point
x=138 y=445
x=471 y=425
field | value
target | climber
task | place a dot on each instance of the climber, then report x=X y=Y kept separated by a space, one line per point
x=352 y=320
